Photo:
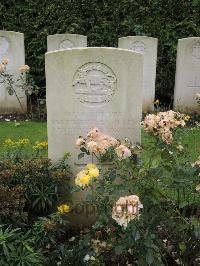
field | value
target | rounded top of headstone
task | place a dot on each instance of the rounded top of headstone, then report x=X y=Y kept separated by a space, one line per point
x=138 y=37
x=93 y=50
x=5 y=33
x=66 y=35
x=190 y=38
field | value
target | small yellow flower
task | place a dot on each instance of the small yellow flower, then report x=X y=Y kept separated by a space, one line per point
x=187 y=118
x=64 y=208
x=40 y=145
x=8 y=142
x=23 y=141
x=157 y=102
x=94 y=172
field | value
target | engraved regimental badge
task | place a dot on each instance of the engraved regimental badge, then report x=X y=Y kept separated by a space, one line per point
x=94 y=83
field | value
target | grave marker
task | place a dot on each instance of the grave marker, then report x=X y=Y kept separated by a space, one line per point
x=12 y=48
x=187 y=82
x=148 y=47
x=91 y=87
x=65 y=41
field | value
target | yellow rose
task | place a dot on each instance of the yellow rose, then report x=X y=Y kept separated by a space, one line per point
x=85 y=179
x=64 y=208
x=187 y=117
x=94 y=172
x=90 y=166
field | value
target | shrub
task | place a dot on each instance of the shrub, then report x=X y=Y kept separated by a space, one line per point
x=148 y=212
x=103 y=22
x=17 y=150
x=30 y=186
x=17 y=248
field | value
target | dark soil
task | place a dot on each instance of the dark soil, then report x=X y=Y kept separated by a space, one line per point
x=13 y=117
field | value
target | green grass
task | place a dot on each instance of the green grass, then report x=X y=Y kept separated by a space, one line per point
x=189 y=138
x=34 y=131
x=37 y=131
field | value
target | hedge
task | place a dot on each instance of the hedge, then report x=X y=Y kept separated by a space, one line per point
x=103 y=21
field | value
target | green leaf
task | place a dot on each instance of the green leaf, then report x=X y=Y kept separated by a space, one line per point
x=149 y=256
x=83 y=149
x=81 y=155
x=113 y=175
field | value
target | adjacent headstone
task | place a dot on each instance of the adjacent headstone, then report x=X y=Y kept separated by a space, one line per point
x=148 y=47
x=65 y=41
x=187 y=83
x=92 y=87
x=12 y=48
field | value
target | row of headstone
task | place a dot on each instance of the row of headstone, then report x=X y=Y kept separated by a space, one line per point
x=187 y=83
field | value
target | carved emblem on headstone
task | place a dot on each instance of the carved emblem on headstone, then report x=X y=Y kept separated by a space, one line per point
x=4 y=46
x=66 y=44
x=138 y=47
x=196 y=50
x=94 y=83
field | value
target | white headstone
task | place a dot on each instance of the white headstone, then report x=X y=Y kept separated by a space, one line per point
x=148 y=47
x=65 y=41
x=12 y=48
x=187 y=83
x=92 y=87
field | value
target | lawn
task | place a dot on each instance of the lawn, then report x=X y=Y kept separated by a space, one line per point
x=34 y=131
x=37 y=131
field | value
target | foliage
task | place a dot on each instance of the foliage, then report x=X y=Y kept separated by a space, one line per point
x=20 y=149
x=30 y=187
x=103 y=22
x=17 y=248
x=166 y=231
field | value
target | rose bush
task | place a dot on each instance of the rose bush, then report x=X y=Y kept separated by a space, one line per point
x=147 y=208
x=146 y=197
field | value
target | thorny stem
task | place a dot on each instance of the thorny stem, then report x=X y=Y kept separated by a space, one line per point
x=10 y=84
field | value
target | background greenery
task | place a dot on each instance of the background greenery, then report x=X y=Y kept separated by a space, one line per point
x=103 y=21
x=35 y=131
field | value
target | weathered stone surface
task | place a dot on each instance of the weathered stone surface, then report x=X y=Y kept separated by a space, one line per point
x=65 y=41
x=92 y=87
x=148 y=47
x=12 y=48
x=187 y=83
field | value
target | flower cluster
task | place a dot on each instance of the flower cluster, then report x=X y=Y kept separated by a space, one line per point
x=123 y=152
x=84 y=177
x=3 y=64
x=13 y=144
x=198 y=188
x=163 y=123
x=40 y=145
x=198 y=98
x=24 y=69
x=197 y=163
x=97 y=142
x=126 y=209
